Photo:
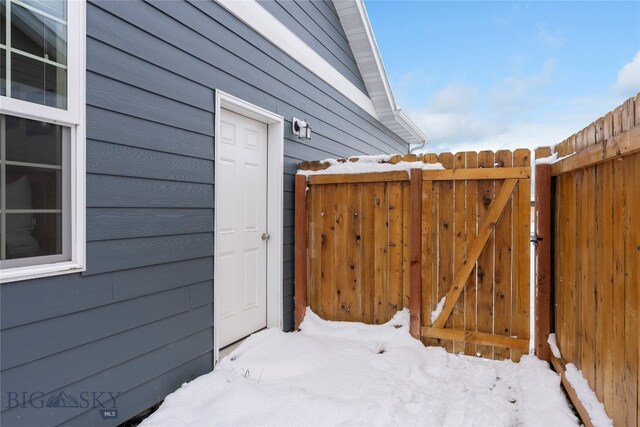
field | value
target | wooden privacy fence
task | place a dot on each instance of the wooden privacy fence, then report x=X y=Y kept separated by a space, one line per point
x=368 y=245
x=588 y=212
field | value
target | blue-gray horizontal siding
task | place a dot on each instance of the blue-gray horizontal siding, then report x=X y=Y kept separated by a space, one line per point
x=139 y=320
x=318 y=25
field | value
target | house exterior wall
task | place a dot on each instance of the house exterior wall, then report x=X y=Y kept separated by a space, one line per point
x=317 y=24
x=139 y=320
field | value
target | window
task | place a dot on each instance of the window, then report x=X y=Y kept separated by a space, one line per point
x=42 y=143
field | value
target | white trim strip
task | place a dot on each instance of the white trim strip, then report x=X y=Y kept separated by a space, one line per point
x=36 y=271
x=37 y=58
x=257 y=17
x=33 y=111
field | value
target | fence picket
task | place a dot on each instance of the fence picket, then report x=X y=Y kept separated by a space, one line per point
x=486 y=195
x=339 y=228
x=605 y=318
x=459 y=241
x=631 y=281
x=353 y=283
x=471 y=228
x=445 y=238
x=521 y=157
x=617 y=412
x=327 y=248
x=367 y=242
x=394 y=300
x=503 y=252
x=381 y=249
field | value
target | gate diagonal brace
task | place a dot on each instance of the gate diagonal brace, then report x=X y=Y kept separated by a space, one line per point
x=487 y=227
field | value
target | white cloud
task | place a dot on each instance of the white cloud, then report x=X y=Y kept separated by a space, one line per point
x=528 y=133
x=454 y=99
x=516 y=113
x=451 y=116
x=549 y=39
x=514 y=93
x=628 y=83
x=462 y=117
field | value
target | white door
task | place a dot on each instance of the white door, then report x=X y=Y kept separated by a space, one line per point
x=241 y=204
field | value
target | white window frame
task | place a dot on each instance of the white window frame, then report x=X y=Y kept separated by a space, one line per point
x=74 y=117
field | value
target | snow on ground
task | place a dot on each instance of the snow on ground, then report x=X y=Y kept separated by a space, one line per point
x=338 y=373
x=594 y=407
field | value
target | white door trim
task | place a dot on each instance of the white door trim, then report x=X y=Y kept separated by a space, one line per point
x=275 y=188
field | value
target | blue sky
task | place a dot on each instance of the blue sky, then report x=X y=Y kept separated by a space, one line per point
x=490 y=75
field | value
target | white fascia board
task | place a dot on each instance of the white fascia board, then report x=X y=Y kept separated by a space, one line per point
x=412 y=128
x=375 y=54
x=355 y=21
x=258 y=18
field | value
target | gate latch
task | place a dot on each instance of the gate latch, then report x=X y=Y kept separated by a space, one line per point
x=535 y=239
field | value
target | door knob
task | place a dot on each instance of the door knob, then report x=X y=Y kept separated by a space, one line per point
x=265 y=236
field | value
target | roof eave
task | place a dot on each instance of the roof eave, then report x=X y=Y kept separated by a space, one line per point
x=355 y=21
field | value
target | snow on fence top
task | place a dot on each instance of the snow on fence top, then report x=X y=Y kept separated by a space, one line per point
x=367 y=164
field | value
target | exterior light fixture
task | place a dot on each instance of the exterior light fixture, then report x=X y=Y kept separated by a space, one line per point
x=300 y=128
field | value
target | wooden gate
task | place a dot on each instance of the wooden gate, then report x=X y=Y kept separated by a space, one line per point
x=368 y=245
x=476 y=253
x=358 y=242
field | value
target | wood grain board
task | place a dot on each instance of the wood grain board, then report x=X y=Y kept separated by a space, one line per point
x=378 y=241
x=596 y=239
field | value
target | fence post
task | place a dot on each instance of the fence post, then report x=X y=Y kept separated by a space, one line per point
x=415 y=256
x=543 y=256
x=300 y=262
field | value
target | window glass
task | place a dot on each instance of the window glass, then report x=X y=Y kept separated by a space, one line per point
x=31 y=188
x=3 y=72
x=30 y=141
x=38 y=82
x=38 y=35
x=3 y=30
x=57 y=8
x=35 y=52
x=3 y=42
x=44 y=187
